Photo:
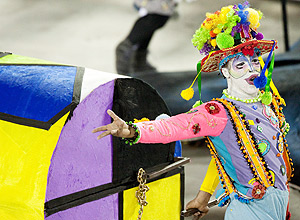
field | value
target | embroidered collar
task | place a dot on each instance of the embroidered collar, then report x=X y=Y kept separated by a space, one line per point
x=257 y=99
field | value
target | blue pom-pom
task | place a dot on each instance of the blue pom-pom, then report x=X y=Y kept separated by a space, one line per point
x=242 y=200
x=261 y=81
x=223 y=201
x=243 y=17
x=242 y=6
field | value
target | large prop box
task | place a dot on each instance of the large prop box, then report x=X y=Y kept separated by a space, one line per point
x=51 y=164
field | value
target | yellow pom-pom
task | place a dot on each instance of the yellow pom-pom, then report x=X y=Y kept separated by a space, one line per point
x=208 y=25
x=217 y=30
x=213 y=42
x=225 y=10
x=141 y=120
x=187 y=94
x=223 y=19
x=208 y=15
x=253 y=17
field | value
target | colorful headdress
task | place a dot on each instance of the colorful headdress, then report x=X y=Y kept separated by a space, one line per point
x=231 y=30
x=225 y=34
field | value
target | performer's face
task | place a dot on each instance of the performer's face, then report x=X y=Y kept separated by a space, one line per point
x=241 y=72
x=242 y=65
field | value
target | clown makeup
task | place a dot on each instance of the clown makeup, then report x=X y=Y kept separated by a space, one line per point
x=240 y=72
x=244 y=64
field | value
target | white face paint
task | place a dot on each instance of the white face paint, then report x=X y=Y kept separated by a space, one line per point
x=240 y=73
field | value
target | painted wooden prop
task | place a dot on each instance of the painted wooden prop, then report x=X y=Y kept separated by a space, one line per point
x=53 y=167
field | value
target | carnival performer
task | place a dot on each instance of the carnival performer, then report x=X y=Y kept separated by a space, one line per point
x=245 y=128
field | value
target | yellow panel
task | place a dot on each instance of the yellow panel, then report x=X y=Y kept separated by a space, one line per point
x=163 y=200
x=25 y=154
x=17 y=59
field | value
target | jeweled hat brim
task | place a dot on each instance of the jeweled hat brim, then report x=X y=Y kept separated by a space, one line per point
x=212 y=64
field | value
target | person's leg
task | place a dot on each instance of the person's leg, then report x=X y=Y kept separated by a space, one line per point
x=144 y=29
x=152 y=23
x=133 y=50
x=272 y=206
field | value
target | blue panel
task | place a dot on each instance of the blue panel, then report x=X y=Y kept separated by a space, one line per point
x=225 y=156
x=35 y=92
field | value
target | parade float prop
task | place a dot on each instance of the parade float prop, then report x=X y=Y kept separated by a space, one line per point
x=52 y=165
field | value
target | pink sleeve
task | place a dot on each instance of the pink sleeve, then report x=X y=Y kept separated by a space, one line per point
x=208 y=119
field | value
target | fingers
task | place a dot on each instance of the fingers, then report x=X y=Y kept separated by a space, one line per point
x=113 y=128
x=105 y=133
x=198 y=215
x=112 y=115
x=102 y=128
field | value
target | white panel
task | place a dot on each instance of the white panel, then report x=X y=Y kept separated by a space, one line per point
x=94 y=78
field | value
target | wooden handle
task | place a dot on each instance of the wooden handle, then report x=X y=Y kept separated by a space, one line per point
x=189 y=212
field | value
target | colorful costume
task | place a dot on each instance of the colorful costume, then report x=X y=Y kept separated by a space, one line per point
x=246 y=172
x=246 y=137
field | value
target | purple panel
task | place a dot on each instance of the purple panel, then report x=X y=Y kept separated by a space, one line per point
x=105 y=208
x=80 y=161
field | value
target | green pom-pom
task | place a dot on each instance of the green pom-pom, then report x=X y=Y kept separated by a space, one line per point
x=200 y=37
x=224 y=41
x=266 y=98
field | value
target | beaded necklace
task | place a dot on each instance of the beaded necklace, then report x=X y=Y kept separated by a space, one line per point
x=257 y=99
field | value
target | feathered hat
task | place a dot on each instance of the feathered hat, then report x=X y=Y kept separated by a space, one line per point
x=228 y=33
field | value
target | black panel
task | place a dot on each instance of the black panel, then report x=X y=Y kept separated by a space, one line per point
x=182 y=188
x=136 y=99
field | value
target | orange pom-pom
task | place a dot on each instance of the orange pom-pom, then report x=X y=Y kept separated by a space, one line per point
x=212 y=34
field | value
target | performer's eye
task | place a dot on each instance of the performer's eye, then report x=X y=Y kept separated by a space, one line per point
x=255 y=61
x=240 y=65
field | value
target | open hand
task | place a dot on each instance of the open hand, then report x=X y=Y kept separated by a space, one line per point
x=117 y=128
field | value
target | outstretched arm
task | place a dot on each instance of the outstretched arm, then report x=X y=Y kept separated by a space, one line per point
x=208 y=119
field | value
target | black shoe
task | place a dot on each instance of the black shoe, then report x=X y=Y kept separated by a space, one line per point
x=124 y=57
x=140 y=63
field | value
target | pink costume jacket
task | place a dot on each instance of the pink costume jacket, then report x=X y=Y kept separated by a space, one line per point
x=208 y=119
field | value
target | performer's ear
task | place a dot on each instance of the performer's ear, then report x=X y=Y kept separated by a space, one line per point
x=225 y=72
